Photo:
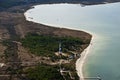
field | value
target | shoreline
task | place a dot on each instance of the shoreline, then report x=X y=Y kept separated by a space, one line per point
x=80 y=61
x=84 y=54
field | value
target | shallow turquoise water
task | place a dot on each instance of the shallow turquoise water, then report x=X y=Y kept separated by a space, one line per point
x=102 y=20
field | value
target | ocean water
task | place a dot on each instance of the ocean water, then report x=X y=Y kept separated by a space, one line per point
x=102 y=21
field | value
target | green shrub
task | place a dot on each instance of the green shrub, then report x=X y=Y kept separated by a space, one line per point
x=44 y=72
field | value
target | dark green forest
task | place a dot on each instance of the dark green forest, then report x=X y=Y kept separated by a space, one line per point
x=45 y=45
x=44 y=72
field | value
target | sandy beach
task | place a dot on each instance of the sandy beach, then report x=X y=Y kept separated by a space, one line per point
x=80 y=62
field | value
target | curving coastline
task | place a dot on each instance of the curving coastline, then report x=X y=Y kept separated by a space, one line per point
x=80 y=61
x=20 y=28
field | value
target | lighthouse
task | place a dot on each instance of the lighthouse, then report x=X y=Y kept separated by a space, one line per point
x=60 y=49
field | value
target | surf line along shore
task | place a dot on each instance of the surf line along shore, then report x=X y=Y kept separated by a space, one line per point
x=80 y=62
